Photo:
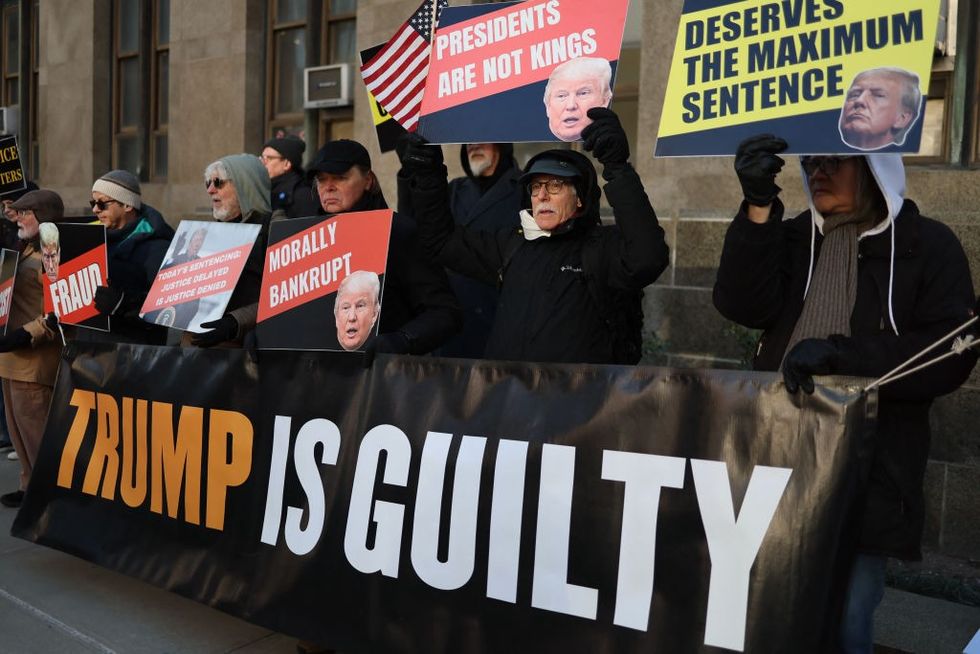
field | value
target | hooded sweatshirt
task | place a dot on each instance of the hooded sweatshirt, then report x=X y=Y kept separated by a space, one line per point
x=913 y=287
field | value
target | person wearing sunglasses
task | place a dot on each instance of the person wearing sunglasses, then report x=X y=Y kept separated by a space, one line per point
x=856 y=285
x=238 y=187
x=570 y=287
x=292 y=193
x=137 y=239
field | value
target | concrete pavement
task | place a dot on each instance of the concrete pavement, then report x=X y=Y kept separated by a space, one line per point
x=53 y=602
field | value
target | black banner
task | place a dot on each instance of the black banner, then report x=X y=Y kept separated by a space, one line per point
x=11 y=169
x=435 y=505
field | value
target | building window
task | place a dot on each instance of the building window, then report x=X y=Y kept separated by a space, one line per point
x=11 y=54
x=32 y=120
x=141 y=38
x=340 y=32
x=288 y=58
x=160 y=89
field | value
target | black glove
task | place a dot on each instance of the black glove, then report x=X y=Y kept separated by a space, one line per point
x=51 y=322
x=607 y=141
x=757 y=165
x=417 y=156
x=390 y=343
x=812 y=356
x=108 y=299
x=223 y=329
x=15 y=340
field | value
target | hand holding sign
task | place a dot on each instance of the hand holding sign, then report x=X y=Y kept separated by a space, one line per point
x=417 y=156
x=607 y=141
x=757 y=164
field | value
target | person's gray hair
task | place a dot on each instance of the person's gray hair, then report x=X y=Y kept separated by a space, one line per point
x=48 y=233
x=582 y=67
x=360 y=280
x=215 y=169
x=911 y=94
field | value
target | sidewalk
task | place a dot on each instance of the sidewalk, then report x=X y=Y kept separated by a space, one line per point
x=53 y=602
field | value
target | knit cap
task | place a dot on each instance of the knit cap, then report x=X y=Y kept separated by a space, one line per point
x=291 y=147
x=120 y=185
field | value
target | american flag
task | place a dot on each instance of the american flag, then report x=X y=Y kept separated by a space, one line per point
x=395 y=76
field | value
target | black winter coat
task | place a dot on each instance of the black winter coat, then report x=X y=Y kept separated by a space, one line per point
x=472 y=207
x=760 y=284
x=545 y=311
x=135 y=254
x=416 y=300
x=293 y=194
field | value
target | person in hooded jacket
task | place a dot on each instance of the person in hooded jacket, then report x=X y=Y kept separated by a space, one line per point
x=137 y=238
x=546 y=309
x=419 y=311
x=29 y=352
x=238 y=186
x=856 y=286
x=487 y=198
x=291 y=192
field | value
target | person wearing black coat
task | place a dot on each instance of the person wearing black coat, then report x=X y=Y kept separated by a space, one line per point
x=291 y=192
x=419 y=311
x=137 y=239
x=856 y=286
x=546 y=270
x=487 y=198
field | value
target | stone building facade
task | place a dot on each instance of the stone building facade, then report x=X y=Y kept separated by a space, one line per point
x=166 y=86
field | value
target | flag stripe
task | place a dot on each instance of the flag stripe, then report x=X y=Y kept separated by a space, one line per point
x=414 y=49
x=403 y=34
x=421 y=63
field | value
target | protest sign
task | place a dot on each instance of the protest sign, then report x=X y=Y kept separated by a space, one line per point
x=387 y=128
x=8 y=274
x=198 y=274
x=491 y=63
x=74 y=259
x=305 y=302
x=828 y=76
x=11 y=168
x=438 y=505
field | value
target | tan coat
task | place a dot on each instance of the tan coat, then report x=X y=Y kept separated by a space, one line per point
x=38 y=363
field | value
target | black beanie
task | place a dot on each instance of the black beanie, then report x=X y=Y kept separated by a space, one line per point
x=290 y=147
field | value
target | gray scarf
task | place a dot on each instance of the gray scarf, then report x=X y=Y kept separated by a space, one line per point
x=833 y=289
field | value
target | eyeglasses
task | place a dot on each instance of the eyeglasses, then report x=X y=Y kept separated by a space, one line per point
x=216 y=182
x=269 y=157
x=828 y=165
x=553 y=186
x=102 y=205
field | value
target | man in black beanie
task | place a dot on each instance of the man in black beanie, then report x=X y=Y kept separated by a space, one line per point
x=291 y=192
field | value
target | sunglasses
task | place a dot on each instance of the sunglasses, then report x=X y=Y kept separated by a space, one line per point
x=828 y=165
x=102 y=205
x=216 y=182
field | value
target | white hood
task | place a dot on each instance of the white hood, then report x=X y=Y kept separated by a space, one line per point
x=889 y=172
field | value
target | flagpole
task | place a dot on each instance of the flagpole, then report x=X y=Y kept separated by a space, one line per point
x=432 y=23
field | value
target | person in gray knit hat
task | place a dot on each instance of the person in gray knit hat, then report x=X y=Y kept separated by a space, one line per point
x=29 y=353
x=137 y=238
x=238 y=186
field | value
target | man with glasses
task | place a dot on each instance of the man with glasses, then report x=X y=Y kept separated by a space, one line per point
x=856 y=285
x=562 y=274
x=291 y=191
x=238 y=186
x=137 y=238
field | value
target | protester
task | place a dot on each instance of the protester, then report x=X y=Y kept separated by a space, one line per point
x=29 y=353
x=487 y=198
x=419 y=312
x=855 y=286
x=238 y=186
x=559 y=274
x=573 y=88
x=291 y=192
x=880 y=108
x=137 y=238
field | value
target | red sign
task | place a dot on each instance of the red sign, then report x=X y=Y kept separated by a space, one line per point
x=311 y=264
x=211 y=275
x=71 y=295
x=6 y=293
